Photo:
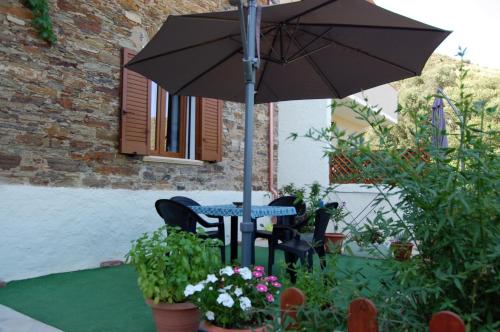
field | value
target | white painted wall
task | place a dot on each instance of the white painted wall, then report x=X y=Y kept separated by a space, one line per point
x=301 y=161
x=359 y=203
x=383 y=96
x=46 y=230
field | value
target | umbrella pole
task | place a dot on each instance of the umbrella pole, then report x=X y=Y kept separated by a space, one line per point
x=250 y=65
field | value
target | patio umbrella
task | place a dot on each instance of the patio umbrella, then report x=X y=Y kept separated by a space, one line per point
x=307 y=49
x=439 y=123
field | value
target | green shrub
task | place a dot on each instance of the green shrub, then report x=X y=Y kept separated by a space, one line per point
x=448 y=207
x=166 y=264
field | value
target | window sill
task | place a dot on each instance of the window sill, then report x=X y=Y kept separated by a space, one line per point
x=169 y=160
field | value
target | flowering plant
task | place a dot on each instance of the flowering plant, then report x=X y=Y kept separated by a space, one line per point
x=337 y=215
x=235 y=297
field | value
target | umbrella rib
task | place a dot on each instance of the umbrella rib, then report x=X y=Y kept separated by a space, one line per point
x=209 y=69
x=183 y=49
x=342 y=25
x=318 y=71
x=267 y=62
x=363 y=52
x=303 y=50
x=230 y=37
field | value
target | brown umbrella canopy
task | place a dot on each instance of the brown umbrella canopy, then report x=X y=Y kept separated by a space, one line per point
x=308 y=49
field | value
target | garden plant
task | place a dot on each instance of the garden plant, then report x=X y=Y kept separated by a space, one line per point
x=447 y=205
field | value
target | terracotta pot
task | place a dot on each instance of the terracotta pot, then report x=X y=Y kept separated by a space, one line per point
x=401 y=251
x=212 y=328
x=333 y=242
x=175 y=317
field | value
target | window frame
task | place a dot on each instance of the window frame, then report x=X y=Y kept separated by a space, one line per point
x=161 y=124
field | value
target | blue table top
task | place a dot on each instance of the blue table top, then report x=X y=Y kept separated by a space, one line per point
x=257 y=210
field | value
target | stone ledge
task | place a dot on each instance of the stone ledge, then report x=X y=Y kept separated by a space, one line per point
x=169 y=160
x=111 y=263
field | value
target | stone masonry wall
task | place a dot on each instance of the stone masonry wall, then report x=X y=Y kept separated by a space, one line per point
x=59 y=106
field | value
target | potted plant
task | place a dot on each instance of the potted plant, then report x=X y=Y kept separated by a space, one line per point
x=401 y=247
x=313 y=196
x=333 y=241
x=370 y=241
x=166 y=261
x=235 y=299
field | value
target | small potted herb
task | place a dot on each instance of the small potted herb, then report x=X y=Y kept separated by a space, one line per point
x=401 y=247
x=333 y=241
x=165 y=265
x=313 y=196
x=235 y=299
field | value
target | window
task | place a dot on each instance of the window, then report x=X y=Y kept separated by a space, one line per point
x=157 y=123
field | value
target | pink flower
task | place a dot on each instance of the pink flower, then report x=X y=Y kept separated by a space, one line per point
x=276 y=284
x=257 y=274
x=269 y=297
x=261 y=288
x=259 y=268
x=272 y=278
x=236 y=269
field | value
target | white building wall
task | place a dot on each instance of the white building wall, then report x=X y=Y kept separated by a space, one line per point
x=301 y=161
x=46 y=230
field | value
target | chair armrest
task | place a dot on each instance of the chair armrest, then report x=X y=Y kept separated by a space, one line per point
x=295 y=233
x=300 y=224
x=210 y=224
x=220 y=218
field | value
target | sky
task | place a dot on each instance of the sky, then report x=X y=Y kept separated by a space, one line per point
x=475 y=25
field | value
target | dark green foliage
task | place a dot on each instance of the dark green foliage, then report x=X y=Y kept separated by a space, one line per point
x=41 y=19
x=440 y=71
x=314 y=196
x=447 y=205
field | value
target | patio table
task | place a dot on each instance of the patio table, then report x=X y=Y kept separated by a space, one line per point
x=234 y=212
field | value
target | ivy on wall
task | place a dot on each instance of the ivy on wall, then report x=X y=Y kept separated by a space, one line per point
x=41 y=19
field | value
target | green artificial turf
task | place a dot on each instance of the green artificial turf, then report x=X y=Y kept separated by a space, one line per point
x=105 y=299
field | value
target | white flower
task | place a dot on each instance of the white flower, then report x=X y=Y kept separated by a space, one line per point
x=226 y=300
x=191 y=289
x=227 y=271
x=245 y=303
x=211 y=278
x=238 y=291
x=245 y=273
x=210 y=315
x=210 y=288
x=228 y=287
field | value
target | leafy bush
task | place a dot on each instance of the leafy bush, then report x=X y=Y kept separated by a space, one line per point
x=166 y=264
x=447 y=205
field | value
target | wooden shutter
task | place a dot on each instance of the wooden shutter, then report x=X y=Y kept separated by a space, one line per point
x=136 y=91
x=209 y=131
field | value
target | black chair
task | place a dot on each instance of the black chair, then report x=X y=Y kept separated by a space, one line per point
x=292 y=243
x=177 y=214
x=300 y=208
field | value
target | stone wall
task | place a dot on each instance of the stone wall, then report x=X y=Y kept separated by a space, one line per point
x=59 y=106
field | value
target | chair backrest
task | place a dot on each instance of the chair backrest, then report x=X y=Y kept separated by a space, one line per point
x=321 y=222
x=185 y=201
x=299 y=205
x=177 y=214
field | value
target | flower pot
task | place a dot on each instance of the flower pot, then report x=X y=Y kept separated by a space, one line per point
x=333 y=242
x=212 y=328
x=175 y=317
x=401 y=251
